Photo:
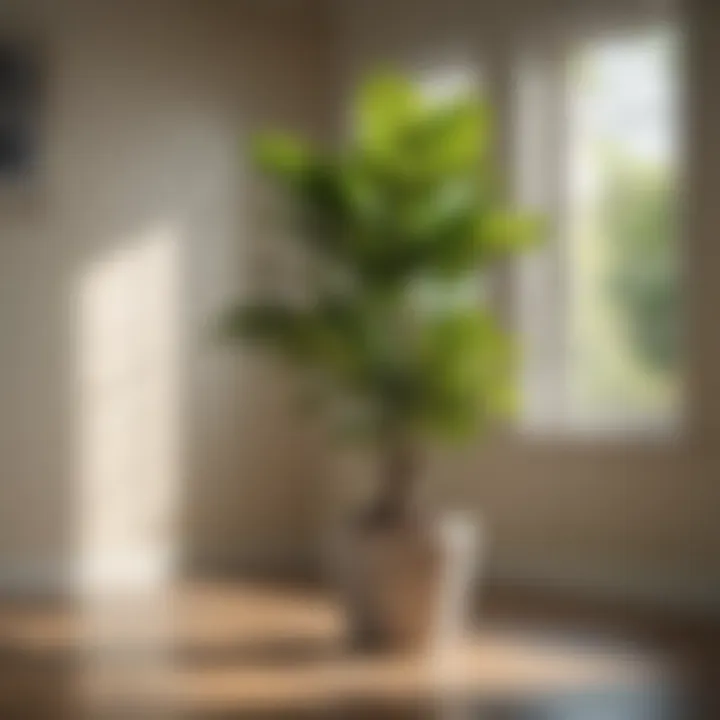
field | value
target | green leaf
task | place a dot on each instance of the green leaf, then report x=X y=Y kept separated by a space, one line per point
x=467 y=367
x=503 y=232
x=458 y=136
x=282 y=155
x=387 y=105
x=284 y=328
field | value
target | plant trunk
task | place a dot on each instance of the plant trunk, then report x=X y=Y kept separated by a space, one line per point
x=396 y=496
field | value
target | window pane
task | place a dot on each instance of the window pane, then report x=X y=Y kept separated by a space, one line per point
x=623 y=253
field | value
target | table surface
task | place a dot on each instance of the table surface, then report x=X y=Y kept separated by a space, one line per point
x=248 y=650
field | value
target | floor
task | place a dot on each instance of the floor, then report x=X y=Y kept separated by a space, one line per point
x=231 y=650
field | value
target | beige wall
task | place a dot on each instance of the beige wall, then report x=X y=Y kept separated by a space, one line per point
x=636 y=516
x=149 y=104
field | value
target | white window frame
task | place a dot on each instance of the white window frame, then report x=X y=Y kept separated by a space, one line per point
x=541 y=283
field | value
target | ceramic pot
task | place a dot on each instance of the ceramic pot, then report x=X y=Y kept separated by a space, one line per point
x=408 y=588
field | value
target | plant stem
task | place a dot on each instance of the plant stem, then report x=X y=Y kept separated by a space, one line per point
x=395 y=501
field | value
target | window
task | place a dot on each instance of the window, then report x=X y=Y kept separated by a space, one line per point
x=598 y=151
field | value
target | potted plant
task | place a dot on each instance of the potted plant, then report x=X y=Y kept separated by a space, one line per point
x=402 y=225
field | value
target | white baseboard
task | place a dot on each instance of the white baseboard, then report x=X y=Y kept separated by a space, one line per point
x=280 y=564
x=695 y=595
x=41 y=577
x=36 y=577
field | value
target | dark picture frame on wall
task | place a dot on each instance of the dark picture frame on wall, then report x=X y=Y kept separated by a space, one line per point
x=20 y=111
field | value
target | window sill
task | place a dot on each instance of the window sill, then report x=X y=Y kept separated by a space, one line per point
x=603 y=432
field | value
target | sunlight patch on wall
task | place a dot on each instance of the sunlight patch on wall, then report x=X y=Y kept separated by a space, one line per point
x=127 y=497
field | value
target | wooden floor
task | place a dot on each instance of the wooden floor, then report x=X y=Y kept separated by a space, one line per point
x=230 y=650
